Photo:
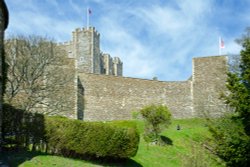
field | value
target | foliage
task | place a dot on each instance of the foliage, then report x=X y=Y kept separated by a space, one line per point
x=187 y=150
x=232 y=132
x=123 y=123
x=135 y=114
x=197 y=157
x=95 y=139
x=67 y=137
x=239 y=84
x=156 y=119
x=234 y=63
x=232 y=143
x=22 y=129
x=37 y=74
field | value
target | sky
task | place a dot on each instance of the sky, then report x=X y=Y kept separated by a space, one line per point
x=153 y=38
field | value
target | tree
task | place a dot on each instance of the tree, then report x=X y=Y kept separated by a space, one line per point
x=156 y=119
x=239 y=85
x=4 y=19
x=232 y=132
x=38 y=75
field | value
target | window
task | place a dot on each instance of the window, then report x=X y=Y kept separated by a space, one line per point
x=81 y=59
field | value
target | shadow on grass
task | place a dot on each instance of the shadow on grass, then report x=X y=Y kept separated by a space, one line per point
x=116 y=163
x=166 y=141
x=16 y=157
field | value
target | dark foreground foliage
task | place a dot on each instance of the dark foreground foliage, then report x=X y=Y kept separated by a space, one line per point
x=22 y=129
x=71 y=138
x=231 y=142
x=232 y=132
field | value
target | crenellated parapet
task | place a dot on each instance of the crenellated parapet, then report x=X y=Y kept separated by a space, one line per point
x=85 y=48
x=97 y=97
x=109 y=97
x=117 y=66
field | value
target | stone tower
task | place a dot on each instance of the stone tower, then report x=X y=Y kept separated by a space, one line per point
x=117 y=66
x=107 y=67
x=86 y=48
x=208 y=84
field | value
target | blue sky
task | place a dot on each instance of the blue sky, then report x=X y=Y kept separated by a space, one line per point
x=152 y=37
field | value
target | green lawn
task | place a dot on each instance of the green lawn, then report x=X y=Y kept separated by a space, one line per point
x=184 y=148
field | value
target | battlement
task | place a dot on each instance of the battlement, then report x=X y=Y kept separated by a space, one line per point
x=85 y=30
x=112 y=97
x=117 y=60
x=85 y=48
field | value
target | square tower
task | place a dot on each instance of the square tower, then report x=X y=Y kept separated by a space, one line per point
x=86 y=48
x=208 y=84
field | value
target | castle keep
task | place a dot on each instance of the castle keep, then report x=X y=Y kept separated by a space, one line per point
x=85 y=49
x=100 y=92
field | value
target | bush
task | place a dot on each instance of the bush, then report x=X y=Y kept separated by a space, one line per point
x=67 y=137
x=123 y=123
x=231 y=142
x=157 y=118
x=94 y=139
x=232 y=132
x=22 y=129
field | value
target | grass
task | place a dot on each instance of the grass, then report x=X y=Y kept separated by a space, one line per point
x=184 y=148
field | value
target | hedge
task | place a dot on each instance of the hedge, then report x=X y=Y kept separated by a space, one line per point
x=74 y=138
x=65 y=136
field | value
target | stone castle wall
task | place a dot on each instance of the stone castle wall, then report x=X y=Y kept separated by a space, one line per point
x=209 y=77
x=115 y=98
x=85 y=48
x=68 y=95
x=110 y=98
x=101 y=93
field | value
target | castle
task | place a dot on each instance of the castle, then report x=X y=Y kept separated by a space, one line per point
x=100 y=92
x=85 y=49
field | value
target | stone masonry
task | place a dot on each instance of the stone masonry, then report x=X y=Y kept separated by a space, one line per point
x=100 y=92
x=85 y=48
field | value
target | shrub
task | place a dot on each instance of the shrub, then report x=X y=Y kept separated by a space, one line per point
x=136 y=114
x=231 y=142
x=22 y=129
x=123 y=123
x=94 y=139
x=156 y=119
x=232 y=132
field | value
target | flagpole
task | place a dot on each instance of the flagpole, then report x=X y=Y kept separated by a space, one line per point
x=87 y=18
x=219 y=45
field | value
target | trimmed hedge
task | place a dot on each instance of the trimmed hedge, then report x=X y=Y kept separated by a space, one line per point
x=95 y=139
x=71 y=138
x=123 y=123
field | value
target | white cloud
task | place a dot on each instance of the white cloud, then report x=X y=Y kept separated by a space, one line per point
x=129 y=48
x=171 y=35
x=78 y=9
x=152 y=39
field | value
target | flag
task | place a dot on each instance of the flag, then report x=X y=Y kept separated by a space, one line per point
x=88 y=14
x=222 y=43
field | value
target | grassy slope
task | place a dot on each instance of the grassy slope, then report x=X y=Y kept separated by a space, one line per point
x=185 y=150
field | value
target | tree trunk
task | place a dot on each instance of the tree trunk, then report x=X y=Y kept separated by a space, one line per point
x=3 y=26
